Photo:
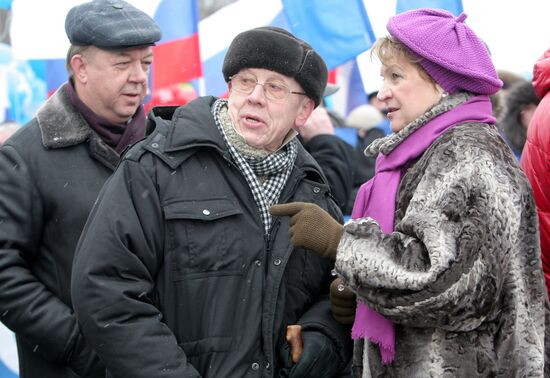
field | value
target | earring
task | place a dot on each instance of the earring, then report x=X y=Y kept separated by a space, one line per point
x=444 y=94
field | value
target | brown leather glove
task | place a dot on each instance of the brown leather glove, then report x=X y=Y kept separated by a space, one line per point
x=342 y=302
x=311 y=227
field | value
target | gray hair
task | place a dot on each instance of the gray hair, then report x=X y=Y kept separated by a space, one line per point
x=73 y=50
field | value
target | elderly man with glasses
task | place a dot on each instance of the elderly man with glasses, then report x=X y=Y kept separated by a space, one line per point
x=181 y=270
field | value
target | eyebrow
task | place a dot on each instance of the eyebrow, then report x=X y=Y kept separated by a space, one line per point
x=124 y=54
x=392 y=66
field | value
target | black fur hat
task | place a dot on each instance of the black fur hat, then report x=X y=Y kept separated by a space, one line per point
x=278 y=50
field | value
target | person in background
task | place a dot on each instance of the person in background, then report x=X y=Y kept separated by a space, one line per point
x=520 y=103
x=51 y=171
x=509 y=78
x=381 y=106
x=442 y=251
x=370 y=124
x=181 y=271
x=333 y=154
x=498 y=99
x=535 y=159
x=372 y=99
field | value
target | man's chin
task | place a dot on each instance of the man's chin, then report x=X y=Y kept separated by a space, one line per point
x=129 y=111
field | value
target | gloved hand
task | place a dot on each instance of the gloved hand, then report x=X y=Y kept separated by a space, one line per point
x=311 y=227
x=342 y=302
x=319 y=358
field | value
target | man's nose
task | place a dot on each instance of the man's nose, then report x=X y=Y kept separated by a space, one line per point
x=139 y=74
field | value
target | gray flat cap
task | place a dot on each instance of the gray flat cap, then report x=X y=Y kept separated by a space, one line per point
x=110 y=24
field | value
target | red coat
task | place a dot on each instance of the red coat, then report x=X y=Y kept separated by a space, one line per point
x=535 y=159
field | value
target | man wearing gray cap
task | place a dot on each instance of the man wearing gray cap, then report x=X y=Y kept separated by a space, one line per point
x=51 y=171
x=181 y=271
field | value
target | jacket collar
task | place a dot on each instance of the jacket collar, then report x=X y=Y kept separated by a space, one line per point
x=191 y=126
x=61 y=125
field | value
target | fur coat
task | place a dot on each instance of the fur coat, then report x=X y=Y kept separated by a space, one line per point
x=461 y=274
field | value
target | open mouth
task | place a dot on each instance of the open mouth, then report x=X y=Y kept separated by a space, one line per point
x=252 y=120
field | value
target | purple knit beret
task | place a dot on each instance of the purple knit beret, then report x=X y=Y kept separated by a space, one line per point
x=452 y=53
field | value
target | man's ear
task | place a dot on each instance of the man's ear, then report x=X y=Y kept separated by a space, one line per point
x=306 y=108
x=80 y=68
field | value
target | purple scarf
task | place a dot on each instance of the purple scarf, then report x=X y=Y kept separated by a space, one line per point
x=118 y=137
x=376 y=199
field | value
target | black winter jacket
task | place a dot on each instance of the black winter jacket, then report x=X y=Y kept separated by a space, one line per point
x=50 y=174
x=173 y=275
x=336 y=158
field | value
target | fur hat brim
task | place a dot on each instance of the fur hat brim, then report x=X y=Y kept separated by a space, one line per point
x=278 y=50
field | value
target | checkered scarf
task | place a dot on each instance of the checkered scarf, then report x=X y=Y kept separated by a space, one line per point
x=273 y=169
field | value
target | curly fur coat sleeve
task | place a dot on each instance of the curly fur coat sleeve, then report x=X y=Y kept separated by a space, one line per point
x=461 y=273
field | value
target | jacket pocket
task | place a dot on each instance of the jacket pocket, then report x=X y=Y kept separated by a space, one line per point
x=208 y=345
x=204 y=237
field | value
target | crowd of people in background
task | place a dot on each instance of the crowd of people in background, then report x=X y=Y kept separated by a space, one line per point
x=243 y=235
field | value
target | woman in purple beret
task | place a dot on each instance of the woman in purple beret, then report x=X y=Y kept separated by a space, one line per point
x=442 y=250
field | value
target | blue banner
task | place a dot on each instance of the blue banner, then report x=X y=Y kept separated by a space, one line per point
x=453 y=6
x=338 y=30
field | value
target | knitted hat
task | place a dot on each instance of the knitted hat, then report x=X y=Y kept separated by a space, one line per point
x=452 y=53
x=364 y=117
x=278 y=50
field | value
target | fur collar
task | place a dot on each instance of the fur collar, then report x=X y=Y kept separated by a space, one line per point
x=387 y=144
x=61 y=125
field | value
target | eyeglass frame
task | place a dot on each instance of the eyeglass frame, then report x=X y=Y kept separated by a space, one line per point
x=266 y=92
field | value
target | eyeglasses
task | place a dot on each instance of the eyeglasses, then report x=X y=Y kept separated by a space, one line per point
x=274 y=90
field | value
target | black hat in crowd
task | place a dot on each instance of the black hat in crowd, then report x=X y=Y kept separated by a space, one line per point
x=278 y=50
x=110 y=24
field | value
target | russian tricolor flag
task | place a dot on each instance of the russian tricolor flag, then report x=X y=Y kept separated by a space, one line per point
x=176 y=58
x=338 y=30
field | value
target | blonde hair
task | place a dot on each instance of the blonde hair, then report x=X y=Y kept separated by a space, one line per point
x=388 y=48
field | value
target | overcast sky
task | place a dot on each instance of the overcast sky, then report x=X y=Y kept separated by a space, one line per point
x=517 y=32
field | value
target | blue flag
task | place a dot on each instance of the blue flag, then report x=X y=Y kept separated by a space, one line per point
x=5 y=4
x=338 y=30
x=453 y=6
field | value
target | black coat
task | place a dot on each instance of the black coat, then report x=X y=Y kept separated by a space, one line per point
x=337 y=159
x=363 y=166
x=50 y=174
x=174 y=277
